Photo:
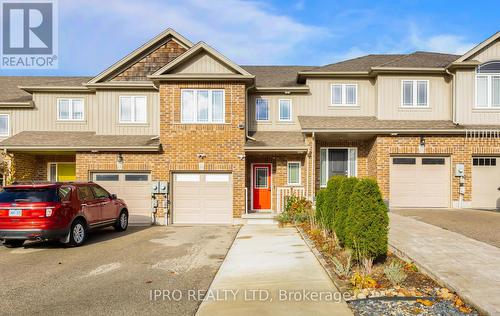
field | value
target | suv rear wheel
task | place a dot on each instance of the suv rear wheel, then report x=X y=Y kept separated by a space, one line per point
x=78 y=233
x=13 y=243
x=122 y=221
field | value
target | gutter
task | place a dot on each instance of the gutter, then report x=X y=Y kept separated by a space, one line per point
x=386 y=131
x=31 y=89
x=247 y=110
x=101 y=148
x=272 y=149
x=285 y=90
x=27 y=104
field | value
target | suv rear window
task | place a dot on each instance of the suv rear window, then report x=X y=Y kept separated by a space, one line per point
x=13 y=195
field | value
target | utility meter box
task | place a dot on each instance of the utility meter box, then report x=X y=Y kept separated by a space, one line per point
x=163 y=187
x=155 y=187
x=459 y=170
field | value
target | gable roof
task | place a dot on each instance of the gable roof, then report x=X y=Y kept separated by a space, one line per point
x=142 y=51
x=199 y=47
x=479 y=47
x=10 y=91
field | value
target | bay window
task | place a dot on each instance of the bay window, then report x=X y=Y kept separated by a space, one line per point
x=202 y=106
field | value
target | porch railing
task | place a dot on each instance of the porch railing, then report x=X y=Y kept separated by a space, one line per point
x=283 y=193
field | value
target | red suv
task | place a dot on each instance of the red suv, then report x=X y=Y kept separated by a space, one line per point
x=57 y=211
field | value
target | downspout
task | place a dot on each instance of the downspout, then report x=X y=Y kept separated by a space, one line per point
x=247 y=112
x=453 y=92
x=313 y=171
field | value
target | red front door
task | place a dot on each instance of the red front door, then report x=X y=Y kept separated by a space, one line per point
x=261 y=189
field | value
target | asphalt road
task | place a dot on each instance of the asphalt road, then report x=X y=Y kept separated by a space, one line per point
x=155 y=270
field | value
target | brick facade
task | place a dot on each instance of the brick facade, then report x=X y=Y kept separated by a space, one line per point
x=28 y=167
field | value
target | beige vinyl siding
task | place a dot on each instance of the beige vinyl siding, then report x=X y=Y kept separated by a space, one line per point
x=490 y=52
x=299 y=102
x=389 y=98
x=101 y=114
x=44 y=116
x=107 y=118
x=202 y=64
x=319 y=102
x=466 y=102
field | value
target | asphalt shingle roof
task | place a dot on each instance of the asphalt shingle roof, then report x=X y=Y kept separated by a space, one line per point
x=276 y=139
x=276 y=76
x=41 y=139
x=9 y=91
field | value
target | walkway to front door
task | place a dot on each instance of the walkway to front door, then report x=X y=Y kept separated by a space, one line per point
x=467 y=266
x=261 y=186
x=273 y=260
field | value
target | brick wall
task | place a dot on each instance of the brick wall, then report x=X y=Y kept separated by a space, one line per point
x=460 y=149
x=279 y=176
x=27 y=167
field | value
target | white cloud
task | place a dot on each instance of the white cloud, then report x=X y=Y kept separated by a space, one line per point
x=245 y=31
x=444 y=43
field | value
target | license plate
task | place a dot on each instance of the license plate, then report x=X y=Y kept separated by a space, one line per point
x=15 y=212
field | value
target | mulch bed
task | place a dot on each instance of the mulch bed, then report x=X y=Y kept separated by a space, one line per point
x=418 y=295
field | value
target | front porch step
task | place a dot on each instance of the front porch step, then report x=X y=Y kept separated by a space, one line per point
x=259 y=219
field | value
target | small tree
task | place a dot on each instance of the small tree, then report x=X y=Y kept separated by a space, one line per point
x=342 y=207
x=367 y=220
x=332 y=189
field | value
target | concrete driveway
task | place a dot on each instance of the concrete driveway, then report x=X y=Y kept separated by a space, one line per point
x=476 y=224
x=115 y=273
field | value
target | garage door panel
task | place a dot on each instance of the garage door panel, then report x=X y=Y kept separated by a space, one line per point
x=420 y=182
x=133 y=188
x=202 y=198
x=485 y=182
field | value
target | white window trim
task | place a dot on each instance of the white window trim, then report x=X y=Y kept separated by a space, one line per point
x=268 y=110
x=70 y=119
x=348 y=162
x=288 y=173
x=414 y=104
x=279 y=110
x=210 y=106
x=8 y=125
x=489 y=91
x=344 y=95
x=134 y=121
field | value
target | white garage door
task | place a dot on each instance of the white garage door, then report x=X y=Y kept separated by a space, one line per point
x=486 y=182
x=203 y=198
x=420 y=182
x=133 y=188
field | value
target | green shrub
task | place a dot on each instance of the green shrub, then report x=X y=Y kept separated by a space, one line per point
x=332 y=189
x=296 y=210
x=342 y=207
x=367 y=221
x=320 y=202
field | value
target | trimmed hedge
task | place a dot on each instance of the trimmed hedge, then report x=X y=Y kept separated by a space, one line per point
x=330 y=199
x=320 y=202
x=341 y=208
x=367 y=221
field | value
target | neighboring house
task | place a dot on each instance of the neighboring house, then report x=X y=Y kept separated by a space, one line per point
x=233 y=139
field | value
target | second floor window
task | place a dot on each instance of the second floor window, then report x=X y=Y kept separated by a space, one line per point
x=202 y=106
x=285 y=109
x=262 y=110
x=415 y=93
x=488 y=85
x=344 y=94
x=133 y=109
x=4 y=125
x=70 y=110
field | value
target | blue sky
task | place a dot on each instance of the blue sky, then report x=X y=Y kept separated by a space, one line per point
x=93 y=34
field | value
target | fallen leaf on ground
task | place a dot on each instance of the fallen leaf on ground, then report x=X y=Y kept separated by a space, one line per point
x=425 y=302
